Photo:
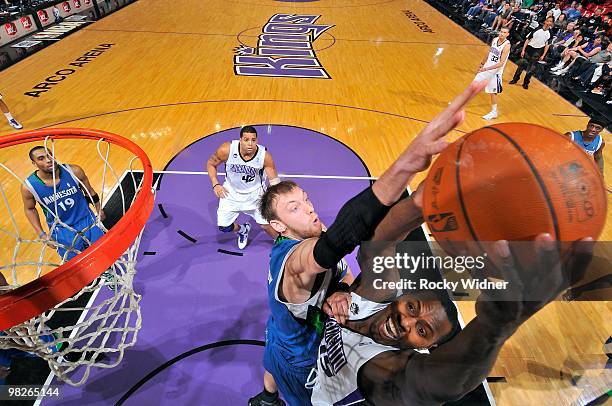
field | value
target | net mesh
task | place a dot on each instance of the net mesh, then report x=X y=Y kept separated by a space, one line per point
x=94 y=327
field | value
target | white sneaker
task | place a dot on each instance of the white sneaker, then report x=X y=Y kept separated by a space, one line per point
x=490 y=116
x=243 y=238
x=15 y=124
x=556 y=67
x=561 y=72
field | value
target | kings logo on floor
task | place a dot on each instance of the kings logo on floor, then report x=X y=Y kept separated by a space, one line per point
x=285 y=48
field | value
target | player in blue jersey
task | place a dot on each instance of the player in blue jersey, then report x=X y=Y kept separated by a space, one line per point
x=72 y=224
x=303 y=263
x=591 y=141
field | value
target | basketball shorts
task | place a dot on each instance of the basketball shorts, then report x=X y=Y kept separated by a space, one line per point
x=494 y=84
x=73 y=243
x=291 y=380
x=234 y=204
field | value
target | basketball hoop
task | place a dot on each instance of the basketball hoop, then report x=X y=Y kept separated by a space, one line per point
x=104 y=330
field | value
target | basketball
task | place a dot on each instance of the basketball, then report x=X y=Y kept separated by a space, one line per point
x=513 y=181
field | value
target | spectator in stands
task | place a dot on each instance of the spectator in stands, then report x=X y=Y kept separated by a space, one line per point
x=574 y=14
x=557 y=12
x=590 y=77
x=489 y=13
x=534 y=49
x=583 y=64
x=502 y=18
x=561 y=22
x=584 y=51
x=590 y=25
x=563 y=41
x=526 y=4
x=474 y=10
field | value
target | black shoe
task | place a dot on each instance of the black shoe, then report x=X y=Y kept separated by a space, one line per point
x=260 y=401
x=525 y=86
x=513 y=82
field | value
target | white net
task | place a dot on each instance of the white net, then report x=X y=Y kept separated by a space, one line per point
x=95 y=326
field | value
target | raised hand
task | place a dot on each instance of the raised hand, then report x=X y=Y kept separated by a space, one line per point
x=529 y=290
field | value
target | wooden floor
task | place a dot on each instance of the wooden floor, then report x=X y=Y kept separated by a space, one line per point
x=168 y=80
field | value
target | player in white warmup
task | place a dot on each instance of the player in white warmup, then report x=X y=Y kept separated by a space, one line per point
x=247 y=165
x=492 y=69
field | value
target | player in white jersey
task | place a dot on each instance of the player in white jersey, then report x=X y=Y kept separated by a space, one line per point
x=247 y=165
x=492 y=69
x=378 y=354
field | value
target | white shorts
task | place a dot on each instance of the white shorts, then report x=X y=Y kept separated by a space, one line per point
x=234 y=204
x=495 y=81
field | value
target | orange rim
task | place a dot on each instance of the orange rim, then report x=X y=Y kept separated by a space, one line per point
x=40 y=295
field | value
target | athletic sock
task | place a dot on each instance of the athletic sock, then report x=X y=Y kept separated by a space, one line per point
x=8 y=116
x=269 y=396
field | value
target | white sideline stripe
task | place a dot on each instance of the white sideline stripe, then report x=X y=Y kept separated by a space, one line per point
x=428 y=236
x=280 y=175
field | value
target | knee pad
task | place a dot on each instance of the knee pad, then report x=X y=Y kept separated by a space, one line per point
x=227 y=229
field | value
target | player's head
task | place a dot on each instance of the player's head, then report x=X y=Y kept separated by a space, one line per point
x=420 y=319
x=548 y=22
x=248 y=139
x=503 y=33
x=41 y=158
x=594 y=127
x=289 y=211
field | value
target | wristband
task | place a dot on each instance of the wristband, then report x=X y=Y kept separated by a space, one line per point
x=343 y=287
x=42 y=234
x=215 y=185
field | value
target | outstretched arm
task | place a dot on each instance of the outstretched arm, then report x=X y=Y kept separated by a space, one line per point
x=457 y=367
x=360 y=216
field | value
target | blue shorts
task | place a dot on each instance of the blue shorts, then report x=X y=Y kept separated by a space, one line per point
x=72 y=239
x=291 y=381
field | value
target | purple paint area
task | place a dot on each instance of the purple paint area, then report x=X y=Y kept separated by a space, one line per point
x=195 y=296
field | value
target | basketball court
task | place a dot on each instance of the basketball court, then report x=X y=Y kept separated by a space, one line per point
x=179 y=80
